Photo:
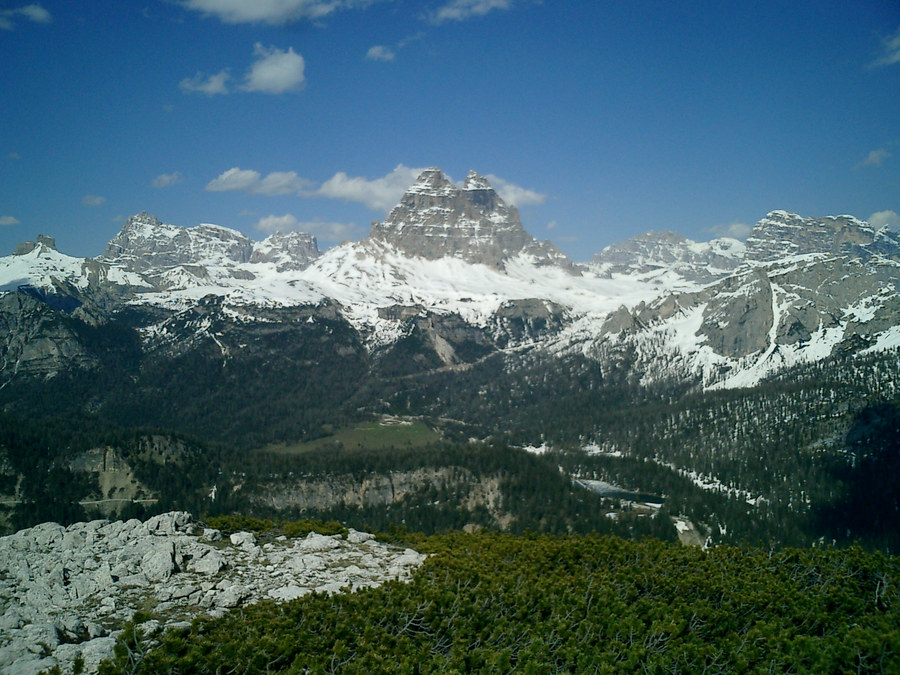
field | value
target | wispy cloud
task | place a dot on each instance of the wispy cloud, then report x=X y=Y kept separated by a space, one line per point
x=275 y=71
x=247 y=180
x=380 y=53
x=202 y=84
x=513 y=194
x=889 y=219
x=874 y=158
x=167 y=179
x=274 y=12
x=890 y=51
x=93 y=200
x=283 y=183
x=234 y=179
x=460 y=10
x=378 y=194
x=389 y=53
x=8 y=220
x=735 y=230
x=328 y=231
x=34 y=13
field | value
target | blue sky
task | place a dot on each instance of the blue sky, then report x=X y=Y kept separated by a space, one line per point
x=601 y=120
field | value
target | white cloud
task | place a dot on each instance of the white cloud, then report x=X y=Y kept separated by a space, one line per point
x=93 y=200
x=201 y=84
x=513 y=194
x=167 y=179
x=276 y=71
x=733 y=230
x=247 y=180
x=890 y=51
x=460 y=10
x=380 y=53
x=274 y=12
x=283 y=183
x=328 y=231
x=552 y=225
x=379 y=194
x=8 y=220
x=34 y=13
x=234 y=179
x=272 y=224
x=888 y=219
x=875 y=158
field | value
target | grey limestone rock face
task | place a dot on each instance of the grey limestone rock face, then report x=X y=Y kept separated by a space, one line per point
x=738 y=318
x=145 y=243
x=289 y=251
x=65 y=592
x=436 y=219
x=790 y=310
x=701 y=262
x=243 y=539
x=27 y=247
x=36 y=340
x=781 y=234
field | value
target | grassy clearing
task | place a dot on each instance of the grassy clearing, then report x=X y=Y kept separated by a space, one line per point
x=378 y=434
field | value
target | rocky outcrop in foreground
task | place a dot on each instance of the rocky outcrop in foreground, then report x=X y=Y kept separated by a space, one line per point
x=65 y=592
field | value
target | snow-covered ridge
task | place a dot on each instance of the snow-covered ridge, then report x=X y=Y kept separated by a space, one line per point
x=722 y=311
x=668 y=251
x=781 y=234
x=437 y=219
x=44 y=267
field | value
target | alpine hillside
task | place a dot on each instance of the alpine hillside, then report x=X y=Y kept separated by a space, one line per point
x=740 y=387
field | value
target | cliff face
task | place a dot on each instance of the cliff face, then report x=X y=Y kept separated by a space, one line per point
x=781 y=234
x=382 y=489
x=145 y=243
x=36 y=340
x=435 y=219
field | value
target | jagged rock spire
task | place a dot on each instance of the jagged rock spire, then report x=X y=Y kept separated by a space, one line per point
x=437 y=219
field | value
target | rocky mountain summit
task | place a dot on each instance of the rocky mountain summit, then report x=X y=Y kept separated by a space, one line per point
x=652 y=252
x=65 y=592
x=288 y=251
x=169 y=256
x=28 y=246
x=436 y=219
x=145 y=243
x=453 y=265
x=781 y=234
x=808 y=288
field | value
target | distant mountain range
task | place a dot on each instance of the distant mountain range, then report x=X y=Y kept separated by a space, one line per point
x=749 y=387
x=723 y=313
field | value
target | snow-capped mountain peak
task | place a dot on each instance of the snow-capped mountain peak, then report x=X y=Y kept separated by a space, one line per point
x=781 y=234
x=721 y=311
x=474 y=181
x=145 y=243
x=670 y=253
x=437 y=219
x=289 y=251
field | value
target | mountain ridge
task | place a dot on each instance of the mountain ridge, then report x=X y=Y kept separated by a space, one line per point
x=730 y=313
